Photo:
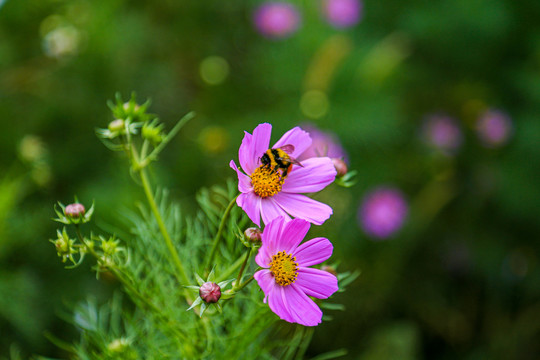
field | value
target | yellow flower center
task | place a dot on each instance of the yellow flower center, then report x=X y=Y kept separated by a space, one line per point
x=266 y=182
x=284 y=268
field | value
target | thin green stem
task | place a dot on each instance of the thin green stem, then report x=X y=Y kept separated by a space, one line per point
x=217 y=238
x=182 y=277
x=153 y=155
x=304 y=343
x=225 y=274
x=241 y=272
x=245 y=283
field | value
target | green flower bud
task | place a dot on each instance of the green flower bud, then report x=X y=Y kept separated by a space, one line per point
x=152 y=131
x=116 y=126
x=64 y=245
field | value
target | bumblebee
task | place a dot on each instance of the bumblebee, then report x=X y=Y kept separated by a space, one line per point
x=279 y=159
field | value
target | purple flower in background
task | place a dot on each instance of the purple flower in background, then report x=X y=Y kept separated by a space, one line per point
x=276 y=19
x=286 y=279
x=342 y=13
x=494 y=128
x=322 y=144
x=442 y=132
x=382 y=212
x=266 y=193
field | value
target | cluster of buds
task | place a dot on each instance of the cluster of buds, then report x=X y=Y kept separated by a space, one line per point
x=106 y=250
x=129 y=117
x=73 y=213
x=209 y=293
x=130 y=109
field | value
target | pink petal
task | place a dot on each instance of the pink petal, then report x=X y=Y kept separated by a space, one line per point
x=244 y=181
x=315 y=175
x=271 y=232
x=263 y=257
x=317 y=283
x=278 y=303
x=266 y=281
x=251 y=204
x=296 y=137
x=289 y=302
x=254 y=147
x=270 y=210
x=244 y=154
x=300 y=206
x=293 y=233
x=302 y=309
x=313 y=252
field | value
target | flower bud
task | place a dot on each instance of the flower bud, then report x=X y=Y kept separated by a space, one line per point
x=116 y=125
x=341 y=166
x=75 y=210
x=152 y=132
x=210 y=292
x=129 y=106
x=253 y=234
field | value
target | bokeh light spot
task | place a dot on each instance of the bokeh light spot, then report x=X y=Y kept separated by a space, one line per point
x=314 y=104
x=214 y=70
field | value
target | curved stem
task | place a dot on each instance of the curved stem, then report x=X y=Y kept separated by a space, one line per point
x=225 y=274
x=182 y=277
x=217 y=238
x=153 y=155
x=241 y=272
x=245 y=283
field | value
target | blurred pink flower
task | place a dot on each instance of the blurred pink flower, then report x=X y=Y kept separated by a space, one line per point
x=276 y=19
x=287 y=280
x=264 y=192
x=494 y=128
x=342 y=13
x=382 y=212
x=322 y=144
x=442 y=132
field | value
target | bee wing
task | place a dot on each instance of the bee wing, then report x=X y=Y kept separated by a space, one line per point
x=294 y=161
x=289 y=149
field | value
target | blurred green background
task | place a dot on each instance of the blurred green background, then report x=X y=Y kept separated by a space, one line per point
x=460 y=280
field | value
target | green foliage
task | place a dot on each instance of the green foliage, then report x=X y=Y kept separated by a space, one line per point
x=158 y=265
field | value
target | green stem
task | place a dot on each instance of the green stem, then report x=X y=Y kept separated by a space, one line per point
x=220 y=230
x=239 y=278
x=153 y=155
x=306 y=339
x=245 y=283
x=182 y=277
x=224 y=275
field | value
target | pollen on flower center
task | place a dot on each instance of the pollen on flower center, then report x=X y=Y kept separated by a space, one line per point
x=266 y=182
x=284 y=268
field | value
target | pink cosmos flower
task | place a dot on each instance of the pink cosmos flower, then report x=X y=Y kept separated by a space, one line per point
x=266 y=193
x=383 y=212
x=323 y=144
x=442 y=132
x=342 y=13
x=494 y=128
x=287 y=280
x=277 y=20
